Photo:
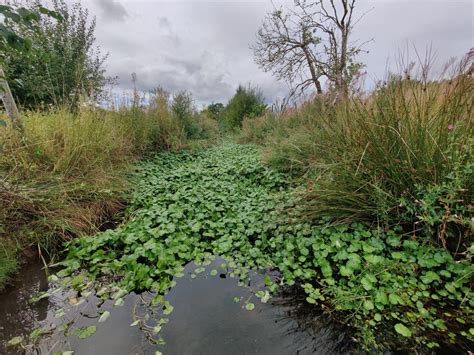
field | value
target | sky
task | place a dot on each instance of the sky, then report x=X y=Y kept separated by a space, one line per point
x=204 y=46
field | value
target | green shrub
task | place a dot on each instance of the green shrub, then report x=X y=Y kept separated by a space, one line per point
x=63 y=65
x=245 y=103
x=183 y=110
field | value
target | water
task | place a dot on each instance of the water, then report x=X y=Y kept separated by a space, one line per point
x=205 y=320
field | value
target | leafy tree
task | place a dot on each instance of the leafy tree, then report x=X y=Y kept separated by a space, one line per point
x=11 y=40
x=247 y=102
x=214 y=111
x=29 y=18
x=63 y=65
x=183 y=109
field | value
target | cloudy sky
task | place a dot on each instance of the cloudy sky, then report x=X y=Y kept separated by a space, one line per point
x=203 y=46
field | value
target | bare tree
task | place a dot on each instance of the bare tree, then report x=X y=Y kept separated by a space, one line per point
x=309 y=42
x=285 y=46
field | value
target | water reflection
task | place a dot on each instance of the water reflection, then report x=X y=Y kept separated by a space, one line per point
x=206 y=320
x=18 y=317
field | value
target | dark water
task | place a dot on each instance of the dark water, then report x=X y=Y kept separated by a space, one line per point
x=205 y=320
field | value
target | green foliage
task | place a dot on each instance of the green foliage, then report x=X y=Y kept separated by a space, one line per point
x=402 y=155
x=62 y=66
x=12 y=17
x=195 y=125
x=182 y=108
x=246 y=102
x=223 y=201
x=214 y=111
x=85 y=332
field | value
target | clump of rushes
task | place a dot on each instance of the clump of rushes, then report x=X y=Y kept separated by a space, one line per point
x=401 y=156
x=395 y=293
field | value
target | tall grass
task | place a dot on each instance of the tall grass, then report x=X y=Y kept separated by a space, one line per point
x=402 y=154
x=66 y=175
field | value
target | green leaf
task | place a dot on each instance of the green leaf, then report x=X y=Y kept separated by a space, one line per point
x=15 y=341
x=199 y=270
x=78 y=281
x=395 y=299
x=104 y=316
x=430 y=277
x=381 y=298
x=403 y=330
x=36 y=333
x=249 y=306
x=3 y=123
x=368 y=305
x=366 y=284
x=345 y=271
x=439 y=323
x=168 y=309
x=85 y=332
x=119 y=302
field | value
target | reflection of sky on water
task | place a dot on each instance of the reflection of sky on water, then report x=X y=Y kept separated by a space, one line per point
x=205 y=320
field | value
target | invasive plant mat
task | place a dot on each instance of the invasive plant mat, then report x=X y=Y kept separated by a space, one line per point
x=397 y=291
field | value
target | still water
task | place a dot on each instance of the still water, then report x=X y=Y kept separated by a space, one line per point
x=206 y=320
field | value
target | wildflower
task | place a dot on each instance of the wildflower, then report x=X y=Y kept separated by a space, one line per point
x=450 y=126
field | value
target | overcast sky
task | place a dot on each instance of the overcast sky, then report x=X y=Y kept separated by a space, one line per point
x=203 y=46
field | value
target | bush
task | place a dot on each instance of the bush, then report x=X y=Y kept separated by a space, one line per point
x=401 y=162
x=183 y=110
x=63 y=65
x=245 y=103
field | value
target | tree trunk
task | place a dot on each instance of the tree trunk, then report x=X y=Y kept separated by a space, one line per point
x=343 y=79
x=314 y=76
x=9 y=102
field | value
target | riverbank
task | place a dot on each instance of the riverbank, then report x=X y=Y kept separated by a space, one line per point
x=66 y=175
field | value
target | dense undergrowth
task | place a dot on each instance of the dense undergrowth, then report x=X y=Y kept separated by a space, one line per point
x=396 y=291
x=67 y=174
